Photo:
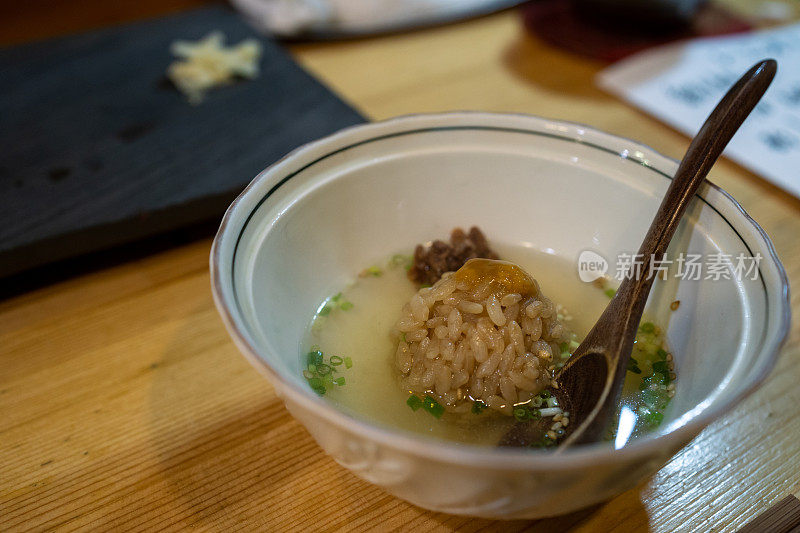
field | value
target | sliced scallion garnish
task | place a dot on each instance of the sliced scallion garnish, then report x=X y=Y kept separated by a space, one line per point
x=414 y=402
x=478 y=407
x=320 y=374
x=432 y=406
x=401 y=260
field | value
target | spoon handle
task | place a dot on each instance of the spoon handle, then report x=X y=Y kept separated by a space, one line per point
x=703 y=152
x=706 y=147
x=607 y=348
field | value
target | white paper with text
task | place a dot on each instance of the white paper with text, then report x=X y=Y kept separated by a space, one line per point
x=681 y=83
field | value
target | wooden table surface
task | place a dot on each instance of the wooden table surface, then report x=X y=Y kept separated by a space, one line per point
x=126 y=406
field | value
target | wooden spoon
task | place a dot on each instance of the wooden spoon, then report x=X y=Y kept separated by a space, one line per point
x=589 y=384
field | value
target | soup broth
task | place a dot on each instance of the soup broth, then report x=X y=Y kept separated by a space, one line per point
x=353 y=331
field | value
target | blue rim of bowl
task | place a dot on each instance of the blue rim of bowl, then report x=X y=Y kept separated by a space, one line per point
x=451 y=451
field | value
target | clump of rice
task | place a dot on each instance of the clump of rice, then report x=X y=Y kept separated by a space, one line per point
x=461 y=342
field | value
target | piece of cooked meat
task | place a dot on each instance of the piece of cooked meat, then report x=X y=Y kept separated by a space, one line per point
x=440 y=257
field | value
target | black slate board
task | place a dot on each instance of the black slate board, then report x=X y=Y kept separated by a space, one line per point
x=97 y=149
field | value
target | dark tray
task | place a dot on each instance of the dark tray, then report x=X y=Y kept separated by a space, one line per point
x=97 y=149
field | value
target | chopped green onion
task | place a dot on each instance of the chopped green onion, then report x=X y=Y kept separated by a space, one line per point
x=335 y=360
x=346 y=306
x=312 y=368
x=400 y=259
x=314 y=357
x=647 y=327
x=348 y=363
x=633 y=366
x=521 y=414
x=308 y=374
x=662 y=354
x=339 y=381
x=325 y=311
x=610 y=292
x=654 y=418
x=335 y=297
x=545 y=394
x=374 y=271
x=545 y=442
x=432 y=406
x=661 y=367
x=656 y=399
x=478 y=407
x=317 y=384
x=656 y=379
x=403 y=337
x=414 y=402
x=323 y=369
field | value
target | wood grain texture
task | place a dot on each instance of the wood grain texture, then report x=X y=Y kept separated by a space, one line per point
x=783 y=517
x=126 y=406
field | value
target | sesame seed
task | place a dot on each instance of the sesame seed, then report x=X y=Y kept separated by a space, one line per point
x=674 y=305
x=552 y=435
x=669 y=357
x=564 y=422
x=558 y=417
x=556 y=426
x=672 y=375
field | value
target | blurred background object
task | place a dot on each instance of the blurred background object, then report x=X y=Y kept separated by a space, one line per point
x=652 y=21
x=101 y=150
x=656 y=15
x=609 y=30
x=347 y=18
x=678 y=83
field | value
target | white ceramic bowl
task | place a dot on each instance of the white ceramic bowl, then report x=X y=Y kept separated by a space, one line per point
x=308 y=223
